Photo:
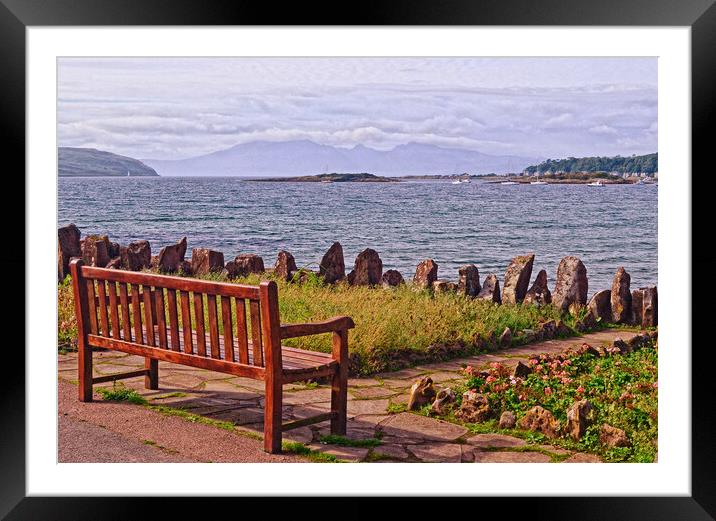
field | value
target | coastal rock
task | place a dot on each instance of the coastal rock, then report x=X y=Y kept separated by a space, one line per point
x=333 y=267
x=422 y=393
x=95 y=250
x=507 y=420
x=621 y=297
x=578 y=419
x=136 y=256
x=391 y=279
x=613 y=437
x=185 y=267
x=649 y=309
x=522 y=370
x=170 y=257
x=539 y=294
x=114 y=250
x=68 y=246
x=589 y=321
x=517 y=279
x=367 y=270
x=601 y=305
x=204 y=260
x=469 y=284
x=475 y=408
x=245 y=264
x=506 y=338
x=154 y=263
x=571 y=287
x=548 y=329
x=490 y=289
x=285 y=265
x=444 y=399
x=114 y=264
x=539 y=419
x=444 y=286
x=637 y=307
x=425 y=274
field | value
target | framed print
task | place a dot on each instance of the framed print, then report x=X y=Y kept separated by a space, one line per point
x=418 y=239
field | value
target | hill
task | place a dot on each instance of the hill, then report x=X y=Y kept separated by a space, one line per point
x=303 y=157
x=89 y=162
x=648 y=164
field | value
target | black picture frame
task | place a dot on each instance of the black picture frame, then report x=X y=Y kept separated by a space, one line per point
x=699 y=15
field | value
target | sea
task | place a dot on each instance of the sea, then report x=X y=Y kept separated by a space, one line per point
x=479 y=223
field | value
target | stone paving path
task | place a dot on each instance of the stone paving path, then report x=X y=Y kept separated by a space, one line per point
x=404 y=436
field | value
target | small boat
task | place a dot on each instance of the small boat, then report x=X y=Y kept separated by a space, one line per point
x=538 y=183
x=461 y=182
x=596 y=183
x=127 y=173
x=508 y=183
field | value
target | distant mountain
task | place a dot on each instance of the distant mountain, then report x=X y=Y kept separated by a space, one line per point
x=648 y=164
x=89 y=162
x=267 y=158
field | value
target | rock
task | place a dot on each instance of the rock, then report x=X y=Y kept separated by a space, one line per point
x=541 y=420
x=621 y=297
x=621 y=346
x=333 y=267
x=601 y=305
x=517 y=279
x=114 y=250
x=185 y=267
x=204 y=260
x=571 y=287
x=170 y=257
x=285 y=265
x=579 y=416
x=506 y=338
x=114 y=264
x=68 y=246
x=587 y=349
x=637 y=306
x=444 y=399
x=522 y=370
x=421 y=393
x=444 y=286
x=469 y=284
x=95 y=250
x=548 y=329
x=367 y=270
x=649 y=309
x=391 y=279
x=507 y=420
x=587 y=322
x=154 y=262
x=475 y=408
x=539 y=294
x=613 y=437
x=244 y=265
x=136 y=256
x=490 y=289
x=638 y=340
x=425 y=274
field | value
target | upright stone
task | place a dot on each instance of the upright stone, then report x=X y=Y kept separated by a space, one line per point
x=68 y=246
x=392 y=278
x=333 y=266
x=368 y=269
x=95 y=250
x=517 y=279
x=571 y=287
x=204 y=260
x=637 y=306
x=649 y=307
x=425 y=274
x=601 y=305
x=285 y=265
x=469 y=283
x=490 y=289
x=244 y=265
x=171 y=257
x=136 y=256
x=539 y=293
x=621 y=297
x=444 y=286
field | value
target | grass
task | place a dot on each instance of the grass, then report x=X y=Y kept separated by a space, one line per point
x=294 y=447
x=334 y=439
x=120 y=393
x=622 y=389
x=394 y=328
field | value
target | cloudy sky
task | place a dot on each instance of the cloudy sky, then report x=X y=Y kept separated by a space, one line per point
x=174 y=108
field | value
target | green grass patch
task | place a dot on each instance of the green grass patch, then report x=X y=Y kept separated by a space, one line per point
x=334 y=439
x=193 y=418
x=176 y=394
x=120 y=393
x=294 y=447
x=394 y=408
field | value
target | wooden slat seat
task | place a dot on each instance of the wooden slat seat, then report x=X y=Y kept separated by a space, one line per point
x=230 y=328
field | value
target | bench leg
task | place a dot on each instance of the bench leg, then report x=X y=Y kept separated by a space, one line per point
x=84 y=372
x=339 y=384
x=151 y=381
x=272 y=416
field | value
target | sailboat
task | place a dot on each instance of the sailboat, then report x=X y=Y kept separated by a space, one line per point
x=127 y=173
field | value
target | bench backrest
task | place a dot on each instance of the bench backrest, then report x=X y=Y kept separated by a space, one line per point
x=179 y=314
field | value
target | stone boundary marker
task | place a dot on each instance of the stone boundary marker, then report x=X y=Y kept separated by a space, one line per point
x=620 y=305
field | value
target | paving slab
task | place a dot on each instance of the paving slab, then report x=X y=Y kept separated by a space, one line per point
x=437 y=452
x=510 y=457
x=408 y=425
x=495 y=440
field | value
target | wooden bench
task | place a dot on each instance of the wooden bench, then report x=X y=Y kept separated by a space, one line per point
x=234 y=329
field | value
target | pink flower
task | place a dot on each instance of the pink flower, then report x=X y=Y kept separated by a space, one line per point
x=567 y=362
x=533 y=361
x=580 y=389
x=655 y=385
x=547 y=390
x=545 y=377
x=538 y=368
x=490 y=379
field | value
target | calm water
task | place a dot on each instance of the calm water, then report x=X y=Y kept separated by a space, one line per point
x=480 y=223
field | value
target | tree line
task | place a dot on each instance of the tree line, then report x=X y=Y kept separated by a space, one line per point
x=631 y=165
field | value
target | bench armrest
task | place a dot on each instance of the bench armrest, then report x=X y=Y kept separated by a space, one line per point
x=316 y=328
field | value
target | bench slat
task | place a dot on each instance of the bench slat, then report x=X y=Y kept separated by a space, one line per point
x=228 y=327
x=103 y=315
x=148 y=318
x=161 y=317
x=124 y=302
x=213 y=326
x=199 y=316
x=113 y=309
x=255 y=312
x=186 y=322
x=173 y=319
x=92 y=307
x=137 y=315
